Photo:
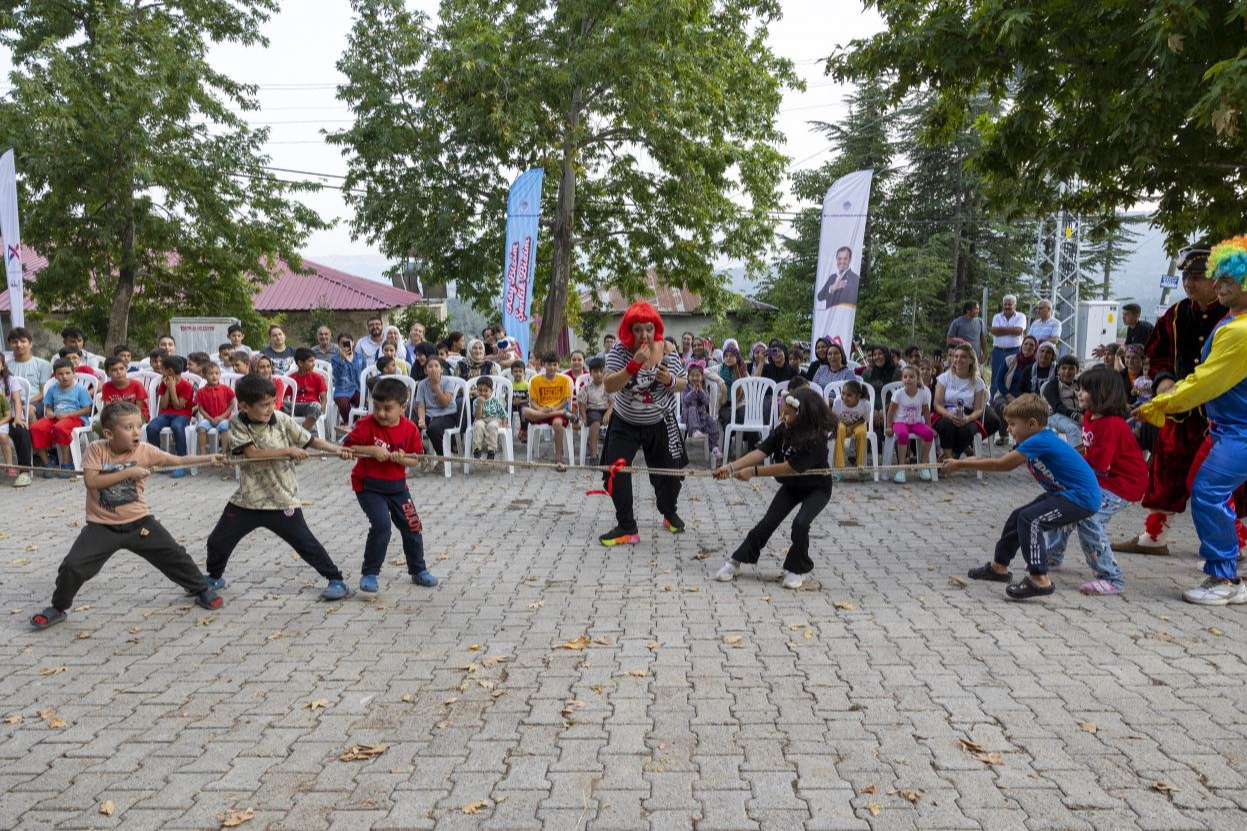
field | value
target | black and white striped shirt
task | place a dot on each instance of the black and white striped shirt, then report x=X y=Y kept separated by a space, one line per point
x=643 y=400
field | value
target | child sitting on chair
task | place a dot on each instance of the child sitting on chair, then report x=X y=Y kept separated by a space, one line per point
x=121 y=387
x=175 y=397
x=596 y=405
x=908 y=412
x=852 y=411
x=700 y=408
x=489 y=414
x=313 y=395
x=550 y=396
x=65 y=408
x=214 y=407
x=519 y=395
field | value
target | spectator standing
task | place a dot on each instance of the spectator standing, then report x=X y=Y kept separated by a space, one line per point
x=25 y=365
x=72 y=337
x=968 y=328
x=324 y=350
x=281 y=354
x=1008 y=327
x=1137 y=331
x=1045 y=328
x=367 y=349
x=236 y=335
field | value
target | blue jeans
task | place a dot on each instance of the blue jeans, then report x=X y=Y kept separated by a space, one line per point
x=394 y=506
x=998 y=365
x=1093 y=537
x=1218 y=477
x=1067 y=427
x=176 y=423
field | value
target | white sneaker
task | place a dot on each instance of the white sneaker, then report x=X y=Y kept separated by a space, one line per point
x=23 y=480
x=793 y=581
x=1216 y=592
x=899 y=478
x=728 y=571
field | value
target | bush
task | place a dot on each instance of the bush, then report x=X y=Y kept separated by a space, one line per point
x=435 y=328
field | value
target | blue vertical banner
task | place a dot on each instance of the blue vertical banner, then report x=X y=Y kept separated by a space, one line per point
x=520 y=257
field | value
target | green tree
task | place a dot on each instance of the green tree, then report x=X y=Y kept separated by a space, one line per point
x=1108 y=243
x=654 y=121
x=141 y=181
x=1121 y=102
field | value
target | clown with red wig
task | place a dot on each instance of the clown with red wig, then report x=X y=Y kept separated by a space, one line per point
x=1219 y=384
x=643 y=380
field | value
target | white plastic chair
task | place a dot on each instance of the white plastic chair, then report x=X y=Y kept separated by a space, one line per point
x=830 y=393
x=460 y=400
x=93 y=388
x=712 y=404
x=502 y=392
x=364 y=409
x=323 y=428
x=753 y=392
x=536 y=432
x=889 y=443
x=24 y=390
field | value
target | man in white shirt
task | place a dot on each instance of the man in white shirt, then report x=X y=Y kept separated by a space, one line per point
x=1008 y=327
x=367 y=349
x=1046 y=329
x=25 y=365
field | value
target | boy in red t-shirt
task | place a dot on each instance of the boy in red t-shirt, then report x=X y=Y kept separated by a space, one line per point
x=214 y=406
x=387 y=442
x=74 y=355
x=121 y=387
x=313 y=391
x=175 y=396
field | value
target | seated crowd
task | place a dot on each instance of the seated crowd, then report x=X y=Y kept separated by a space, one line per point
x=939 y=399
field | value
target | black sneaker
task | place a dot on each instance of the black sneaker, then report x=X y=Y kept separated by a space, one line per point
x=620 y=536
x=673 y=523
x=491 y=455
x=1025 y=589
x=476 y=454
x=986 y=572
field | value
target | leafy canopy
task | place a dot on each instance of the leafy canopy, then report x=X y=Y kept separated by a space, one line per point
x=140 y=179
x=1124 y=102
x=654 y=121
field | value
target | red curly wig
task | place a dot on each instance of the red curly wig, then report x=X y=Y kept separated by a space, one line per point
x=639 y=312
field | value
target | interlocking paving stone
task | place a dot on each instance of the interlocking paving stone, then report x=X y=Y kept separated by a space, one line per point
x=663 y=721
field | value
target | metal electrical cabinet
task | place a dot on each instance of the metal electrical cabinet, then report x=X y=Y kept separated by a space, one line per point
x=1096 y=325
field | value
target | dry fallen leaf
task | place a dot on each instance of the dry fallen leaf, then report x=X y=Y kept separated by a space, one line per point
x=665 y=589
x=108 y=808
x=449 y=701
x=407 y=698
x=32 y=547
x=233 y=819
x=972 y=747
x=362 y=751
x=957 y=581
x=53 y=670
x=731 y=639
x=21 y=561
x=134 y=630
x=693 y=589
x=57 y=723
x=474 y=647
x=275 y=636
x=318 y=704
x=82 y=608
x=577 y=643
x=1164 y=788
x=910 y=795
x=638 y=673
x=603 y=640
x=494 y=660
x=476 y=807
x=537 y=605
x=792 y=645
x=443 y=557
x=472 y=667
x=867 y=789
x=82 y=636
x=205 y=621
x=875 y=808
x=597 y=688
x=497 y=693
x=652 y=645
x=1087 y=726
x=1212 y=630
x=16 y=718
x=1161 y=636
x=795 y=626
x=46 y=714
x=846 y=605
x=809 y=633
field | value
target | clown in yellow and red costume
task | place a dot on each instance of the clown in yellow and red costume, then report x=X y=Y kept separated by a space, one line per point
x=1219 y=384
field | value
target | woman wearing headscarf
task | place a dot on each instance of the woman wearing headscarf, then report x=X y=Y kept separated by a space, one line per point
x=475 y=364
x=880 y=372
x=1014 y=380
x=643 y=380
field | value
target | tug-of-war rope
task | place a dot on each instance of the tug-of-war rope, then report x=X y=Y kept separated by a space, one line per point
x=611 y=470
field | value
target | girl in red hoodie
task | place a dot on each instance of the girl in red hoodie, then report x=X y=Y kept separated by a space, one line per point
x=1109 y=446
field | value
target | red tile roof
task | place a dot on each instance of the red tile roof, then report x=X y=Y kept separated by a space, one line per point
x=289 y=292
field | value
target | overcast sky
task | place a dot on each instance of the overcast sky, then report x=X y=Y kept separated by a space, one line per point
x=297 y=78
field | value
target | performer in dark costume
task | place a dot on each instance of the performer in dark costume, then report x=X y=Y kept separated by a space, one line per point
x=1176 y=346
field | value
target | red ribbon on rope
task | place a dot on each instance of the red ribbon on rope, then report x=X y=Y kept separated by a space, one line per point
x=616 y=466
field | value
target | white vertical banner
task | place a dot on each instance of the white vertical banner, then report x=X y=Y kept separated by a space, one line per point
x=12 y=237
x=836 y=280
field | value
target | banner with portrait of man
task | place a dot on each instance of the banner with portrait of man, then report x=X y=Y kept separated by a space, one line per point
x=837 y=278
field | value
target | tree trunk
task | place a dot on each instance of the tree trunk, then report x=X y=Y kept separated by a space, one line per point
x=1108 y=268
x=119 y=317
x=555 y=308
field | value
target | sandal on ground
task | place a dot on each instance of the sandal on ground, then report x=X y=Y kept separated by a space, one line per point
x=985 y=572
x=1100 y=587
x=1026 y=588
x=560 y=467
x=47 y=618
x=209 y=599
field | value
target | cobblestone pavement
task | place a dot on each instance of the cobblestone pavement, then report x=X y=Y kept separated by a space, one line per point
x=882 y=696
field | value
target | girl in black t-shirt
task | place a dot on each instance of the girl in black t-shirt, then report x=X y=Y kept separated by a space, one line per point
x=798 y=444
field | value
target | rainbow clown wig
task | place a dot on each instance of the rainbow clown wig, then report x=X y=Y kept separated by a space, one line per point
x=1229 y=259
x=639 y=312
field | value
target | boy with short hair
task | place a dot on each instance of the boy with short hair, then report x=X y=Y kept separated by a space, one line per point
x=240 y=363
x=36 y=371
x=156 y=360
x=488 y=416
x=595 y=403
x=268 y=493
x=197 y=361
x=549 y=401
x=223 y=354
x=175 y=404
x=117 y=517
x=519 y=395
x=65 y=408
x=235 y=335
x=74 y=355
x=123 y=352
x=121 y=387
x=74 y=338
x=313 y=391
x=1070 y=495
x=386 y=442
x=1061 y=393
x=214 y=406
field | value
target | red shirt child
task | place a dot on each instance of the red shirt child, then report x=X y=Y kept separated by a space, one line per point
x=121 y=387
x=311 y=387
x=368 y=432
x=1110 y=448
x=214 y=400
x=185 y=393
